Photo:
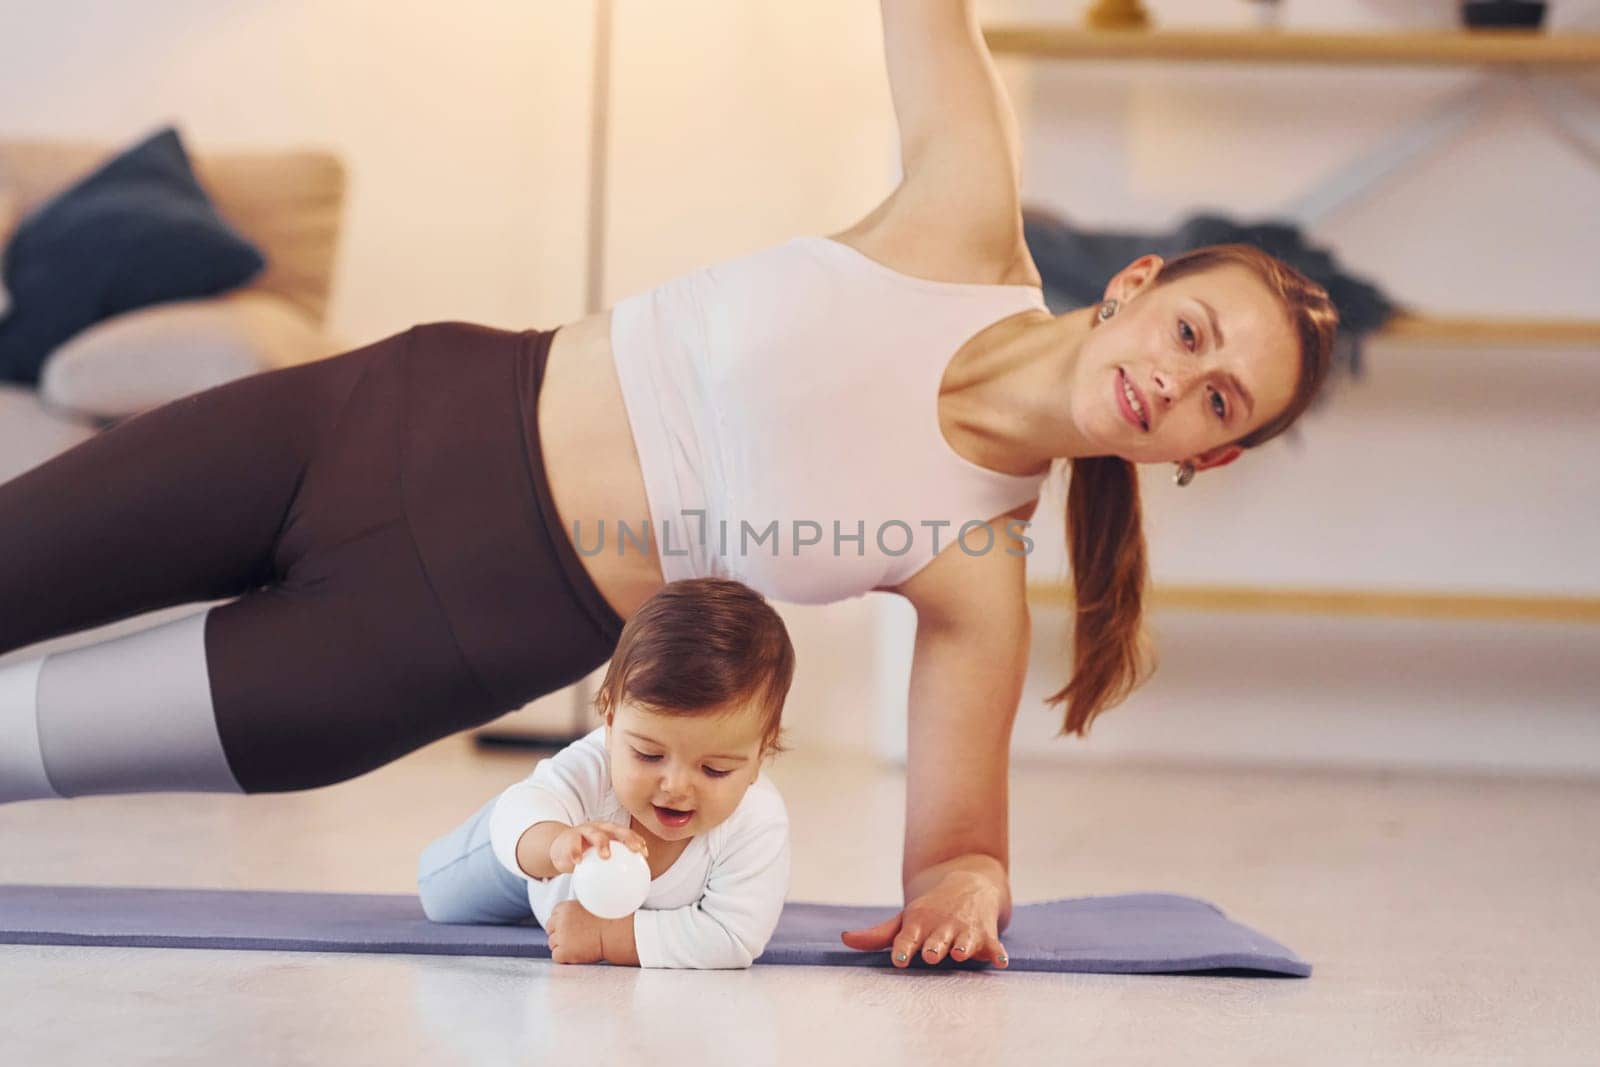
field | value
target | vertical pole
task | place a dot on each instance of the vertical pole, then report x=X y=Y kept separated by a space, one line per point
x=594 y=293
x=593 y=300
x=599 y=135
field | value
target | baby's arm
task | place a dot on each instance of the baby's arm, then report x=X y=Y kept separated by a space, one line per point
x=577 y=936
x=533 y=849
x=727 y=928
x=531 y=814
x=733 y=921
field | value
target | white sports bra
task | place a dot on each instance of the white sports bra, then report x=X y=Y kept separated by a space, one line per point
x=784 y=405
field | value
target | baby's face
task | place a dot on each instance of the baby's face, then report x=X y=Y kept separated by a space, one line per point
x=665 y=765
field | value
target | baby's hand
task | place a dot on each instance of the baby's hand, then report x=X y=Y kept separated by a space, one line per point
x=569 y=846
x=574 y=934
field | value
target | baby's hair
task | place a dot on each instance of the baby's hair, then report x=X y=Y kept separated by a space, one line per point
x=703 y=646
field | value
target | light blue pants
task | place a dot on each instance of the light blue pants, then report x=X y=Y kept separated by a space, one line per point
x=460 y=881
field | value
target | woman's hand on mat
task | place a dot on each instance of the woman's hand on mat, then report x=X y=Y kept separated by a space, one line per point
x=570 y=845
x=574 y=934
x=958 y=917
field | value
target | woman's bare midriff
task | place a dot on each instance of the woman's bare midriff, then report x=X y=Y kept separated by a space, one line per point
x=591 y=462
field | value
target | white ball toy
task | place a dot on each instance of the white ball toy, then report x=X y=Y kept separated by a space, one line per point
x=611 y=888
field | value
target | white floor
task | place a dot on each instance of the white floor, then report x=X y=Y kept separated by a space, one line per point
x=1450 y=920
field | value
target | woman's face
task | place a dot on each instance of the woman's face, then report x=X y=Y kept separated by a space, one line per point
x=667 y=764
x=1207 y=359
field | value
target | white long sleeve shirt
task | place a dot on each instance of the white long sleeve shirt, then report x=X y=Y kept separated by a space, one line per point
x=715 y=907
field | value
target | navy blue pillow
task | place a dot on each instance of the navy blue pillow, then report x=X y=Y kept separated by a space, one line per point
x=137 y=231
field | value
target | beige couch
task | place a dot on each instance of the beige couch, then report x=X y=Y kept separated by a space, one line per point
x=289 y=204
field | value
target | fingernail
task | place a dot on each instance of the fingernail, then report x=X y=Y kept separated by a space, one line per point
x=901 y=957
x=1002 y=958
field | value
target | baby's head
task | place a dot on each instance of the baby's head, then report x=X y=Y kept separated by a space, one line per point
x=693 y=703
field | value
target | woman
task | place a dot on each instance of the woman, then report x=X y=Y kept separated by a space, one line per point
x=410 y=528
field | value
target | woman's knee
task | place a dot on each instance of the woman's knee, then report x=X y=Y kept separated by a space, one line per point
x=129 y=715
x=321 y=684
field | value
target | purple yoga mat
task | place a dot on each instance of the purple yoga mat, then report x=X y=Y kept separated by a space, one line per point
x=1135 y=933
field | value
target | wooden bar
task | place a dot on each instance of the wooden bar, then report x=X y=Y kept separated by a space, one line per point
x=1361 y=602
x=1476 y=48
x=1423 y=329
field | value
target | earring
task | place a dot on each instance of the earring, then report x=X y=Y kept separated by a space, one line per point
x=1107 y=309
x=1184 y=474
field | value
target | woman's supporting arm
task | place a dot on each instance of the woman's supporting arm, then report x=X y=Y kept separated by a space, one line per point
x=967 y=669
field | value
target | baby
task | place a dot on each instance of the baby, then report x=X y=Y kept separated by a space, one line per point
x=692 y=701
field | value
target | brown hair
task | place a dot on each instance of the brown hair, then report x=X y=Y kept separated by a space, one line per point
x=1105 y=536
x=703 y=646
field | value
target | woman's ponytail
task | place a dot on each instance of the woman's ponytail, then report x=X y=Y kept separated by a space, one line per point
x=1105 y=542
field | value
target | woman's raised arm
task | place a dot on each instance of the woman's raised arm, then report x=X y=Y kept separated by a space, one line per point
x=948 y=98
x=960 y=152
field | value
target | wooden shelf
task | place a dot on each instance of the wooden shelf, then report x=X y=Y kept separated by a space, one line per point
x=1457 y=48
x=1266 y=46
x=1413 y=605
x=1411 y=328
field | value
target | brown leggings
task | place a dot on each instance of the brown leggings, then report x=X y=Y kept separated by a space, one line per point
x=382 y=518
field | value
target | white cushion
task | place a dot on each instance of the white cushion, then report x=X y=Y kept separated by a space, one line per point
x=142 y=359
x=31 y=434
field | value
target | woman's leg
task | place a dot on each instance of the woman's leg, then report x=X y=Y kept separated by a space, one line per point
x=341 y=663
x=416 y=580
x=460 y=881
x=180 y=504
x=183 y=503
x=302 y=684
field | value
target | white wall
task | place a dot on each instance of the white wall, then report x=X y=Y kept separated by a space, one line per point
x=735 y=124
x=463 y=126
